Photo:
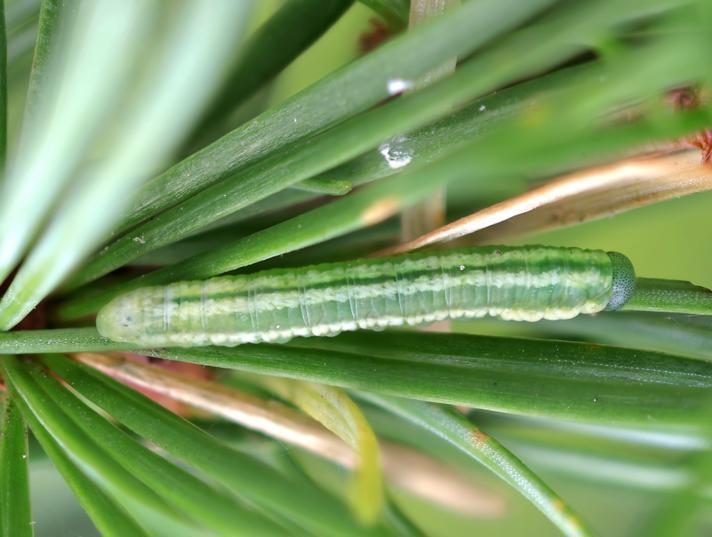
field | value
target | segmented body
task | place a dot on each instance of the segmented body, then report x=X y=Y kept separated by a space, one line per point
x=514 y=283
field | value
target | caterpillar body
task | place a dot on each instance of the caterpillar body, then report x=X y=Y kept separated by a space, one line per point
x=516 y=283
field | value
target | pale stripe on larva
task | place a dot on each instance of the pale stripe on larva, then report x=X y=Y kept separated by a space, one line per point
x=516 y=283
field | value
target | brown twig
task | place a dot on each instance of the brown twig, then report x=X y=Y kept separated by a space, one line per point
x=405 y=467
x=578 y=197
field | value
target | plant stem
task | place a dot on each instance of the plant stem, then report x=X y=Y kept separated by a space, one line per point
x=430 y=213
x=15 y=512
x=60 y=340
x=670 y=296
x=407 y=468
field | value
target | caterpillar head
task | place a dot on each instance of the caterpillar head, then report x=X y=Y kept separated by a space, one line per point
x=623 y=281
x=117 y=320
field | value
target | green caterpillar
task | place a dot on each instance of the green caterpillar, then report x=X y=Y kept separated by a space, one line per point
x=517 y=283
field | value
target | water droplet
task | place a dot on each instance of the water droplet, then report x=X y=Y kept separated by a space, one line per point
x=395 y=157
x=482 y=108
x=462 y=267
x=139 y=239
x=24 y=455
x=398 y=85
x=595 y=399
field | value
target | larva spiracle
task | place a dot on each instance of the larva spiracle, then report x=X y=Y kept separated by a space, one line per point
x=525 y=283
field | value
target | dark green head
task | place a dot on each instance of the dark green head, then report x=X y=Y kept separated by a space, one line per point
x=623 y=283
